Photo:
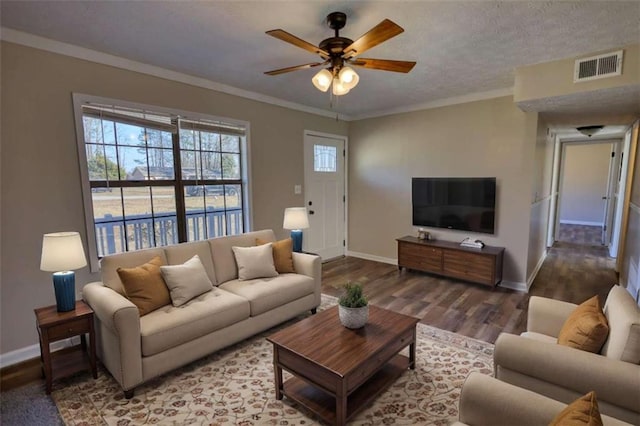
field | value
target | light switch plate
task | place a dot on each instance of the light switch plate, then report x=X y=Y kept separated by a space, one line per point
x=297 y=189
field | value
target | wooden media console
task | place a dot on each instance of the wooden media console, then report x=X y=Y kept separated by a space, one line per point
x=478 y=265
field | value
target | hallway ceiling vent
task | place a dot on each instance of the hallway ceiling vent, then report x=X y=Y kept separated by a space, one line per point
x=600 y=66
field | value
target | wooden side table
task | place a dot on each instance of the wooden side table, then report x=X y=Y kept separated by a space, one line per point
x=54 y=326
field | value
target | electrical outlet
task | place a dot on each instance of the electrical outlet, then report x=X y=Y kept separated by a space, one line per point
x=297 y=189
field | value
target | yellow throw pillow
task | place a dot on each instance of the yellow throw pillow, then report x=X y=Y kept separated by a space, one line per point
x=586 y=328
x=282 y=254
x=144 y=286
x=581 y=412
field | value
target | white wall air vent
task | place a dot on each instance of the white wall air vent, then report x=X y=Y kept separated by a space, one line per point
x=601 y=66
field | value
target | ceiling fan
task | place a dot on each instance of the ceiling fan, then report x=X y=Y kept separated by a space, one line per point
x=340 y=52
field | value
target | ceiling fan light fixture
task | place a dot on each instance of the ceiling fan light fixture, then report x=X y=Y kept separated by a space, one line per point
x=589 y=130
x=348 y=77
x=322 y=80
x=339 y=89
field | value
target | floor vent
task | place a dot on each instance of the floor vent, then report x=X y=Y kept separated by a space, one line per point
x=601 y=66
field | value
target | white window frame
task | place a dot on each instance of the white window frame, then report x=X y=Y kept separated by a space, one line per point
x=80 y=100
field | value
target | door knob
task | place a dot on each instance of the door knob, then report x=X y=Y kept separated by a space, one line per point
x=311 y=212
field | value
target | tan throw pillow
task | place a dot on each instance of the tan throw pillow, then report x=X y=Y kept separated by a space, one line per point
x=255 y=262
x=186 y=281
x=586 y=328
x=144 y=286
x=581 y=412
x=282 y=254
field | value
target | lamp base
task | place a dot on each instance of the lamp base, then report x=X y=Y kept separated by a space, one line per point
x=296 y=236
x=64 y=284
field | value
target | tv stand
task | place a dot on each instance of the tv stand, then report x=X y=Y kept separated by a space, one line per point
x=478 y=265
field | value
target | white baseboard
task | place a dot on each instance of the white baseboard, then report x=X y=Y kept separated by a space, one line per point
x=514 y=285
x=375 y=258
x=580 y=222
x=30 y=352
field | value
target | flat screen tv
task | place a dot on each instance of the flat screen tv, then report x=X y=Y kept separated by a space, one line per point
x=465 y=204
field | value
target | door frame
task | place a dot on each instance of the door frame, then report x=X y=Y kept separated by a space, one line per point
x=563 y=143
x=345 y=140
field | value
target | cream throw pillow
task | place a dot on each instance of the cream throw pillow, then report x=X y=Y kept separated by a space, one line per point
x=186 y=281
x=255 y=262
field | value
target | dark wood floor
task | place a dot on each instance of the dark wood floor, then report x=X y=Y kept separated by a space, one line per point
x=572 y=272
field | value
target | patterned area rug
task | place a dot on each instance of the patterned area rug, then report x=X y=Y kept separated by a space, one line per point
x=235 y=387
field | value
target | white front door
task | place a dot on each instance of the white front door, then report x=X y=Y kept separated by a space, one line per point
x=324 y=194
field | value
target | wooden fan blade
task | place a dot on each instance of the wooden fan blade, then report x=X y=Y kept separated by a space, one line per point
x=295 y=68
x=383 y=64
x=376 y=35
x=290 y=38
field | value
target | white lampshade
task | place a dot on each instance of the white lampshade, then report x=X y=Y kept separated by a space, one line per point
x=348 y=78
x=339 y=89
x=62 y=251
x=322 y=80
x=295 y=218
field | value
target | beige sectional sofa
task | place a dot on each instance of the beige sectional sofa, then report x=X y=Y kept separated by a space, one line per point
x=135 y=349
x=485 y=401
x=536 y=362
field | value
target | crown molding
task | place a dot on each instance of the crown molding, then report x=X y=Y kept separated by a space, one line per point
x=72 y=50
x=50 y=45
x=472 y=97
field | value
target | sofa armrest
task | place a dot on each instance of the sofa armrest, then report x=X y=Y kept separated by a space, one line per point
x=307 y=264
x=487 y=401
x=311 y=266
x=119 y=333
x=112 y=309
x=616 y=382
x=546 y=316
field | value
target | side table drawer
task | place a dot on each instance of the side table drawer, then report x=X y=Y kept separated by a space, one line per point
x=70 y=329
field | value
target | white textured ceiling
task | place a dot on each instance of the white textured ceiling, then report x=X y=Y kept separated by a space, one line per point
x=461 y=47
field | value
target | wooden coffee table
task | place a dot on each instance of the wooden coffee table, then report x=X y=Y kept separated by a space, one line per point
x=337 y=371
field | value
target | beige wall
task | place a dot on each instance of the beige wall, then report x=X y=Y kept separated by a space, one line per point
x=555 y=78
x=584 y=183
x=40 y=181
x=484 y=138
x=540 y=198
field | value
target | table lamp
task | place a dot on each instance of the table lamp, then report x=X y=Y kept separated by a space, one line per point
x=296 y=219
x=62 y=252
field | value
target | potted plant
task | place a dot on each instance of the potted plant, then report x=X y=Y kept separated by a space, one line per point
x=353 y=307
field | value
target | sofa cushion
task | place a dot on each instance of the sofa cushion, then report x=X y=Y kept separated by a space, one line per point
x=177 y=254
x=265 y=294
x=223 y=259
x=186 y=281
x=582 y=411
x=586 y=328
x=282 y=255
x=109 y=265
x=144 y=286
x=169 y=326
x=255 y=262
x=624 y=323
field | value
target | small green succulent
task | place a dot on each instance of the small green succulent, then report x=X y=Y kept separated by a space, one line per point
x=352 y=296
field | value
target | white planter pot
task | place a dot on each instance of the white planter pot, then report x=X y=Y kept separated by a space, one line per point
x=353 y=317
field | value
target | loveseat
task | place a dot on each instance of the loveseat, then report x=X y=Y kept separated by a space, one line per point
x=137 y=348
x=536 y=362
x=485 y=401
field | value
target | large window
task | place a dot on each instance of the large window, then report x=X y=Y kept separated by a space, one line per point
x=155 y=178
